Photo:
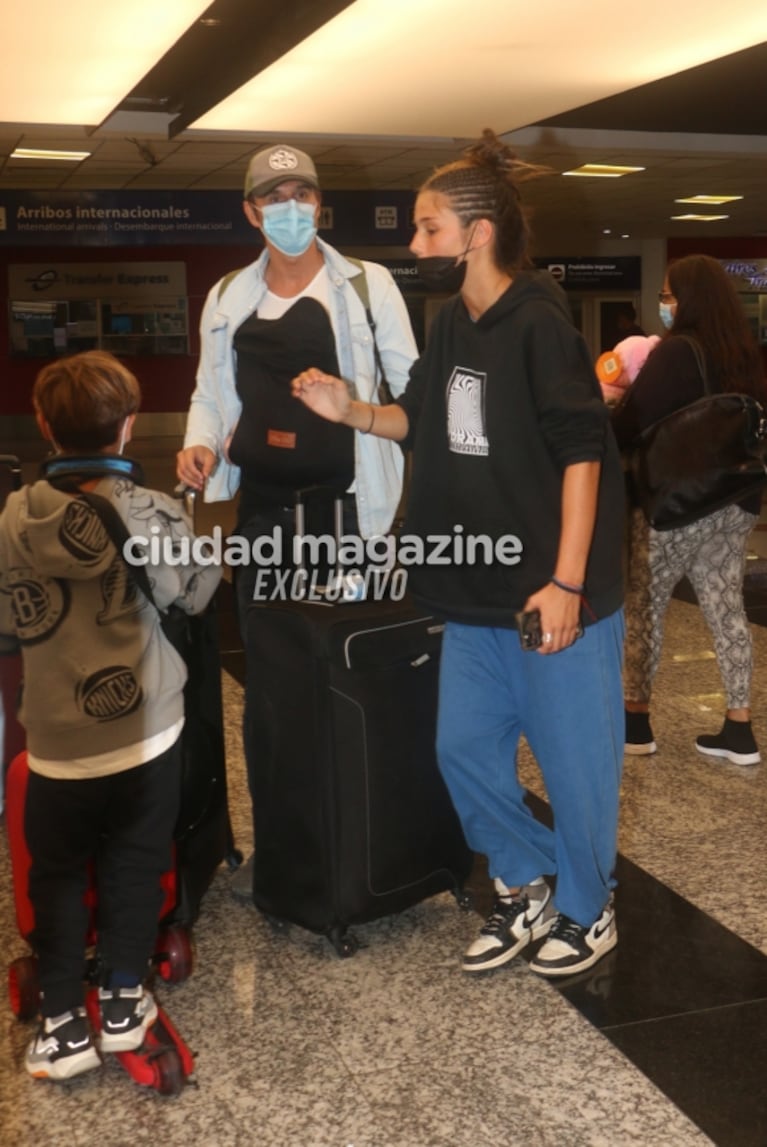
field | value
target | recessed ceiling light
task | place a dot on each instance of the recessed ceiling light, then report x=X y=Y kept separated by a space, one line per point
x=698 y=218
x=603 y=170
x=42 y=153
x=710 y=200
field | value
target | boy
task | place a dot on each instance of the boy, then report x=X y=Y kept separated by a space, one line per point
x=102 y=707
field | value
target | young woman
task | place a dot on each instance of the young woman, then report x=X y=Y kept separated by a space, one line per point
x=708 y=335
x=511 y=441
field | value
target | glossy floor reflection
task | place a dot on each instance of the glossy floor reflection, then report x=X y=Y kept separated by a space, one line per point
x=662 y=1044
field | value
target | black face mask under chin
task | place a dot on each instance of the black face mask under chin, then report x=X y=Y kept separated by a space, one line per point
x=442 y=272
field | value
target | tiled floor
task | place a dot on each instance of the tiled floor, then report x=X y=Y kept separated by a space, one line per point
x=661 y=1045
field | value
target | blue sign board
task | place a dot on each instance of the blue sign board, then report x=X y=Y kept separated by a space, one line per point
x=162 y=218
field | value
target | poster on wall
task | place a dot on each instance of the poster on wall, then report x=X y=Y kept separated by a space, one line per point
x=127 y=308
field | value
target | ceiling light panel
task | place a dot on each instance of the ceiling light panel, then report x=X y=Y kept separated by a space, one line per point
x=691 y=218
x=395 y=68
x=603 y=170
x=48 y=155
x=710 y=200
x=42 y=79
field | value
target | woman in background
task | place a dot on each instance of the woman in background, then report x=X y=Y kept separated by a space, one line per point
x=709 y=340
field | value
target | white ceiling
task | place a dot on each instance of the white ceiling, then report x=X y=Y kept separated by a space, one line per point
x=391 y=105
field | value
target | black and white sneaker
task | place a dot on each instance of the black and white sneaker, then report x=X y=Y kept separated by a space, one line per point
x=126 y=1014
x=516 y=920
x=572 y=947
x=63 y=1047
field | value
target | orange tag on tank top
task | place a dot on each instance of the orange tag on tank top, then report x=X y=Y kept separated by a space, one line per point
x=285 y=439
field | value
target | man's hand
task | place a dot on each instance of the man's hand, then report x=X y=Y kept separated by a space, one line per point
x=194 y=465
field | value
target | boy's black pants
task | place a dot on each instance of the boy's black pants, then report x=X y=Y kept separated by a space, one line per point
x=124 y=823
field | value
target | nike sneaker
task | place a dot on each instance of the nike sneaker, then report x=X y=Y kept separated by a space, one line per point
x=572 y=947
x=516 y=920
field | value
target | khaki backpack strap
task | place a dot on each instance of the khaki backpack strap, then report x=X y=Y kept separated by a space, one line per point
x=227 y=280
x=360 y=284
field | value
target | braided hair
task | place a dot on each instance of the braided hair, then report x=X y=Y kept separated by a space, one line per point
x=484 y=184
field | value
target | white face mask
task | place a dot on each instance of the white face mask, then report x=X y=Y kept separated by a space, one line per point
x=666 y=312
x=123 y=433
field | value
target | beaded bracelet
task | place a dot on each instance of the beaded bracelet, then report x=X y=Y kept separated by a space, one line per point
x=577 y=589
x=372 y=419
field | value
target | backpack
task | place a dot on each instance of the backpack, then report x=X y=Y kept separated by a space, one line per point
x=360 y=285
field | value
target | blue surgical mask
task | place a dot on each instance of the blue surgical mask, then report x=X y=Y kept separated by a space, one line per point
x=289 y=226
x=666 y=312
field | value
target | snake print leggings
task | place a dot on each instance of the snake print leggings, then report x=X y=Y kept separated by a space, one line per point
x=712 y=553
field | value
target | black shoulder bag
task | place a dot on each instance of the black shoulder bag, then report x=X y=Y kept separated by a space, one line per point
x=700 y=458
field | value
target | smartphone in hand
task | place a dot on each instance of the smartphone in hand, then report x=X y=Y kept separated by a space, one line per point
x=529 y=626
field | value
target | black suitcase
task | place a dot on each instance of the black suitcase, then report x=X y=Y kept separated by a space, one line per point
x=352 y=818
x=203 y=832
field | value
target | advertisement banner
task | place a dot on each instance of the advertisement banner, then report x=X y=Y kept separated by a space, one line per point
x=748 y=275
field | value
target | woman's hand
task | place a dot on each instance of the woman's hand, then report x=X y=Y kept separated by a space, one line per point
x=323 y=393
x=560 y=617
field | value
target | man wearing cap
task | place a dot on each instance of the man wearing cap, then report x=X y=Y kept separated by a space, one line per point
x=293 y=308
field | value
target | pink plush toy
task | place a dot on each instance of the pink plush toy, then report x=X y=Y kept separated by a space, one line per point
x=617 y=368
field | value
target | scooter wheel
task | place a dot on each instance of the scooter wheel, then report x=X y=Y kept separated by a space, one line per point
x=174 y=956
x=168 y=1072
x=24 y=987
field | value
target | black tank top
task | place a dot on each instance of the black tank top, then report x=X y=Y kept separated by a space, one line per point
x=279 y=444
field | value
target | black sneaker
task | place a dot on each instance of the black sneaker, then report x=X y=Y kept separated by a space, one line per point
x=516 y=920
x=126 y=1013
x=63 y=1047
x=639 y=738
x=572 y=947
x=735 y=742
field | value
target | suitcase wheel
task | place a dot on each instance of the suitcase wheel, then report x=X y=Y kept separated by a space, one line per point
x=24 y=987
x=463 y=899
x=174 y=955
x=345 y=943
x=234 y=859
x=275 y=922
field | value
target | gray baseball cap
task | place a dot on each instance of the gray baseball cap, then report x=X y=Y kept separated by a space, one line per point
x=274 y=165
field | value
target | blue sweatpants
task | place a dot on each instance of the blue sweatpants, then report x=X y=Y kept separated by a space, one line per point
x=569 y=706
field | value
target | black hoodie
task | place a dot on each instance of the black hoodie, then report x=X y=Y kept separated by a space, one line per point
x=498 y=409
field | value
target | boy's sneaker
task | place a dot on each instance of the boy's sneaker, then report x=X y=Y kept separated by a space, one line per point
x=735 y=742
x=516 y=920
x=63 y=1047
x=573 y=947
x=639 y=738
x=126 y=1013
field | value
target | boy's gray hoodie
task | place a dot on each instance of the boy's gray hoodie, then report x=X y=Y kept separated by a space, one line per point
x=99 y=673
